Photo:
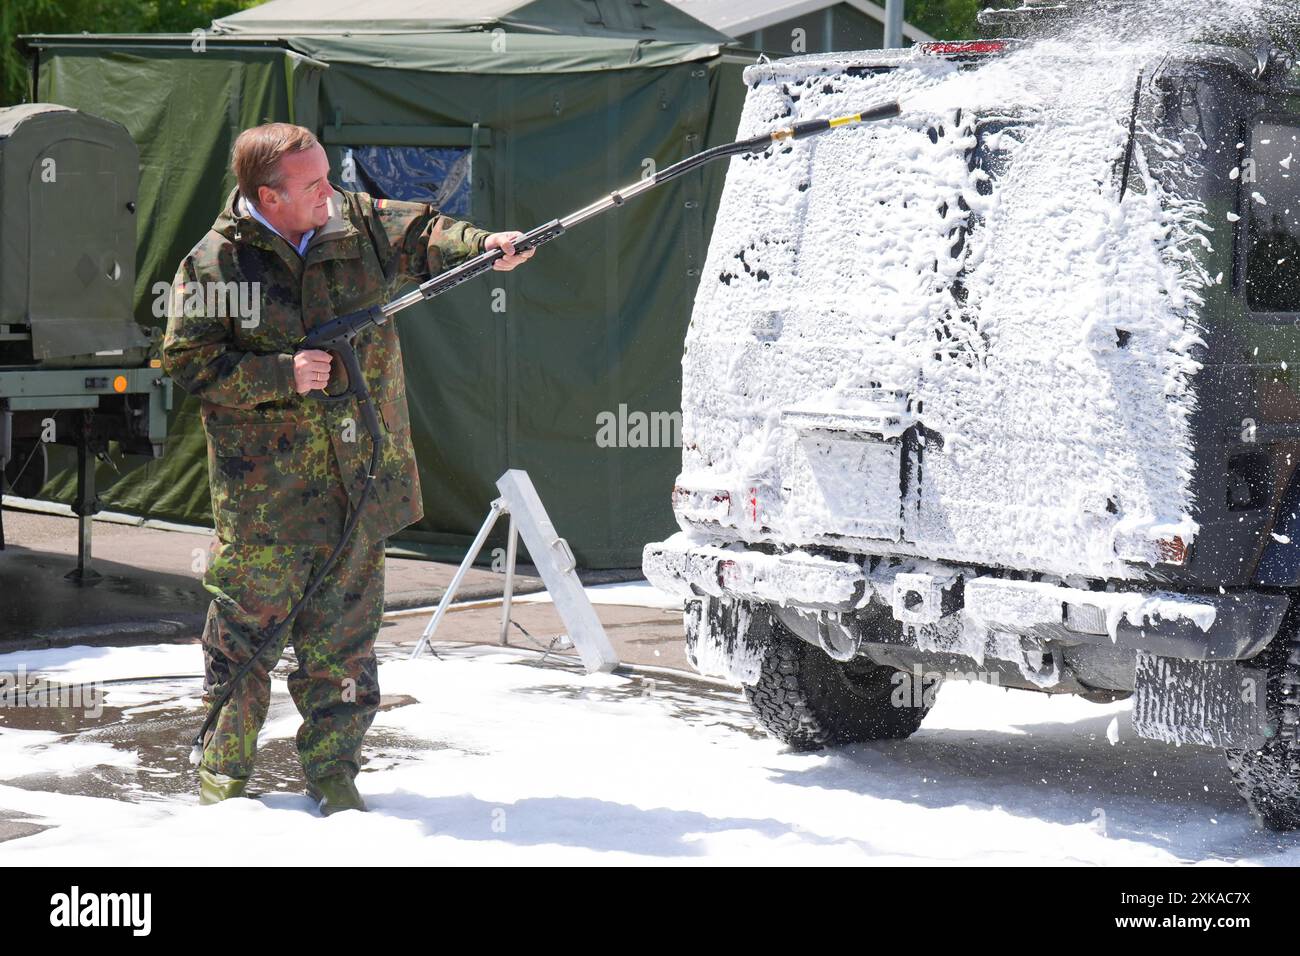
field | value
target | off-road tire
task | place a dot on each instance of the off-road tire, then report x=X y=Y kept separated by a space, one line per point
x=809 y=701
x=1269 y=778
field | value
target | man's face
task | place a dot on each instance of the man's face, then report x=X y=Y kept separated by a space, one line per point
x=302 y=202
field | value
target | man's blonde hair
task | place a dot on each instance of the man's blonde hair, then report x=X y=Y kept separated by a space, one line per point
x=256 y=157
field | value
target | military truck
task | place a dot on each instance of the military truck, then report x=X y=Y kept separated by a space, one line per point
x=75 y=367
x=1006 y=389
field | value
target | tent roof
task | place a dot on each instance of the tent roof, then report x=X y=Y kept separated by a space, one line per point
x=521 y=53
x=432 y=52
x=655 y=20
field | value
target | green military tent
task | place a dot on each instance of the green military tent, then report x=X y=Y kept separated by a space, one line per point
x=509 y=116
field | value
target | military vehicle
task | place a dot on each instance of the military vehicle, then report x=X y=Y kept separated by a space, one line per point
x=75 y=367
x=1007 y=389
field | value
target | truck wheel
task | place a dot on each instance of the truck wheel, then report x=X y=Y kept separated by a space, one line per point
x=1269 y=778
x=809 y=701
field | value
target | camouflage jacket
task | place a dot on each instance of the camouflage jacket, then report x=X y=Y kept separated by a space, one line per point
x=269 y=449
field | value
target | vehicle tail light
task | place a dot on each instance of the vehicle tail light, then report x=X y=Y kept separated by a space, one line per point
x=1172 y=550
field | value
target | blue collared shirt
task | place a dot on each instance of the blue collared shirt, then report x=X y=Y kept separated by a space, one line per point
x=256 y=214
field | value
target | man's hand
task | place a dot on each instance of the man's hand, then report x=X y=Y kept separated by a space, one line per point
x=505 y=241
x=311 y=369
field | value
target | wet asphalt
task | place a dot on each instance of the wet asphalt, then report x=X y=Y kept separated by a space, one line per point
x=149 y=590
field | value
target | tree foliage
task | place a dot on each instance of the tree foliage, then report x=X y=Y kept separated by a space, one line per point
x=94 y=16
x=945 y=19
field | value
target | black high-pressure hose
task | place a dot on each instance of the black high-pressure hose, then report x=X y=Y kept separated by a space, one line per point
x=337 y=335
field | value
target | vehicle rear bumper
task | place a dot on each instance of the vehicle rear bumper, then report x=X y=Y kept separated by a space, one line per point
x=1199 y=627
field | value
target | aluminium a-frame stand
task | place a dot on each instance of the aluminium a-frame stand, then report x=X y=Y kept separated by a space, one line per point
x=554 y=561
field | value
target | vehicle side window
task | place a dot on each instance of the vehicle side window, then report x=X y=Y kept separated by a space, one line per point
x=1271 y=191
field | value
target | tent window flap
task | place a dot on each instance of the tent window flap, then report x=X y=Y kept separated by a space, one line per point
x=439 y=175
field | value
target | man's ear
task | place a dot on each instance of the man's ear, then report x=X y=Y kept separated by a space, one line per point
x=267 y=197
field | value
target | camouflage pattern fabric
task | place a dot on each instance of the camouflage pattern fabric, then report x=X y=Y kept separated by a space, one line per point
x=284 y=470
x=242 y=300
x=335 y=685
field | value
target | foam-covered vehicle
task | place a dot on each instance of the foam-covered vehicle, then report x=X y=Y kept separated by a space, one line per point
x=1007 y=388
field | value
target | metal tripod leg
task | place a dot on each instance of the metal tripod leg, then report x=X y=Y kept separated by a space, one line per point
x=498 y=508
x=512 y=544
x=555 y=562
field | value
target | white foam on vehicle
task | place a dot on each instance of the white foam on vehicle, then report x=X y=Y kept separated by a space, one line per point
x=828 y=289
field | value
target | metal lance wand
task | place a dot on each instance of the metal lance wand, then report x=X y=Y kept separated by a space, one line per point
x=336 y=335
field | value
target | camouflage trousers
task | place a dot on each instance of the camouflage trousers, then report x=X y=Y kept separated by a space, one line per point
x=336 y=683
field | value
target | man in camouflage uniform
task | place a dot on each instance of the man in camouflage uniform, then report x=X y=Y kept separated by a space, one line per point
x=284 y=470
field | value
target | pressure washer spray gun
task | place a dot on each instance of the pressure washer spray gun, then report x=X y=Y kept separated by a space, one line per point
x=338 y=335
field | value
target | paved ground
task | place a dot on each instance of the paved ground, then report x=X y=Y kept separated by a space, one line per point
x=153 y=718
x=650 y=763
x=640 y=635
x=489 y=756
x=150 y=591
x=150 y=586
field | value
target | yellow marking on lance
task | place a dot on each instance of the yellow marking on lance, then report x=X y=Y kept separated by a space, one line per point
x=788 y=132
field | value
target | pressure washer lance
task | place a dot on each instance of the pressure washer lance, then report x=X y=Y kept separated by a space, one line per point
x=336 y=335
